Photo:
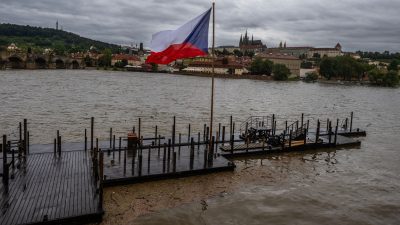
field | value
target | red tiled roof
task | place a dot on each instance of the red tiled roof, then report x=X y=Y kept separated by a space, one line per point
x=127 y=57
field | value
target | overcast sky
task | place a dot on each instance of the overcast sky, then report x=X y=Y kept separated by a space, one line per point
x=357 y=24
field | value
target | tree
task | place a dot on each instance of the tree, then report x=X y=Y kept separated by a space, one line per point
x=261 y=67
x=105 y=59
x=311 y=76
x=238 y=53
x=391 y=79
x=306 y=64
x=280 y=72
x=394 y=65
x=327 y=67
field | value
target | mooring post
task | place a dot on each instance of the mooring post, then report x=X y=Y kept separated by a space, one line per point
x=346 y=123
x=198 y=141
x=113 y=146
x=207 y=134
x=101 y=172
x=59 y=146
x=351 y=121
x=28 y=144
x=139 y=127
x=125 y=153
x=164 y=156
x=302 y=120
x=5 y=165
x=330 y=132
x=173 y=133
x=25 y=136
x=204 y=133
x=223 y=135
x=219 y=131
x=174 y=162
x=111 y=136
x=169 y=154
x=155 y=134
x=179 y=145
x=91 y=132
x=336 y=131
x=159 y=145
x=231 y=127
x=286 y=126
x=283 y=140
x=308 y=125
x=55 y=146
x=140 y=164
x=119 y=148
x=232 y=143
x=85 y=140
x=211 y=156
x=327 y=125
x=188 y=133
x=148 y=160
x=305 y=136
x=317 y=133
x=205 y=157
x=290 y=139
x=20 y=132
x=216 y=143
x=297 y=126
x=191 y=154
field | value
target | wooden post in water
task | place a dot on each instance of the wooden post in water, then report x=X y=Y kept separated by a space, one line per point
x=111 y=136
x=330 y=132
x=308 y=125
x=12 y=155
x=148 y=160
x=59 y=146
x=174 y=162
x=55 y=146
x=305 y=136
x=211 y=156
x=346 y=123
x=164 y=156
x=231 y=126
x=113 y=146
x=336 y=131
x=169 y=154
x=223 y=135
x=119 y=149
x=188 y=139
x=286 y=126
x=91 y=132
x=327 y=126
x=317 y=133
x=207 y=134
x=191 y=153
x=5 y=165
x=351 y=121
x=139 y=127
x=198 y=141
x=219 y=132
x=179 y=143
x=25 y=136
x=101 y=172
x=283 y=141
x=204 y=133
x=302 y=121
x=155 y=134
x=173 y=133
x=140 y=165
x=85 y=140
x=232 y=143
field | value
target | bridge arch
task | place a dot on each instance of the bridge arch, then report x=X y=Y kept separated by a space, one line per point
x=40 y=63
x=75 y=64
x=60 y=64
x=15 y=62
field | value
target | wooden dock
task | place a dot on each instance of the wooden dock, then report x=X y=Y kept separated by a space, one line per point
x=47 y=189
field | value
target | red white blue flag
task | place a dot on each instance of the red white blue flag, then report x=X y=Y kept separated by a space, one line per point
x=189 y=40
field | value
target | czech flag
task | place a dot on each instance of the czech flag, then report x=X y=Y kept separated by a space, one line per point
x=189 y=40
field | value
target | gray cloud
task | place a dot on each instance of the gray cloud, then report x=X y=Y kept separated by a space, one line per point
x=358 y=24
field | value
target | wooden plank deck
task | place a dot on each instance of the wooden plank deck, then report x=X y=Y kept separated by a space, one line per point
x=51 y=190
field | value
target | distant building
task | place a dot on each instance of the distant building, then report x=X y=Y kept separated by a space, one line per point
x=228 y=48
x=131 y=59
x=226 y=66
x=247 y=44
x=290 y=61
x=307 y=51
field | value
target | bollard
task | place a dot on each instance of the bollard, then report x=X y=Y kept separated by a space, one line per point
x=223 y=135
x=164 y=156
x=317 y=133
x=111 y=136
x=148 y=160
x=140 y=165
x=232 y=142
x=85 y=140
x=189 y=133
x=351 y=121
x=55 y=146
x=91 y=132
x=179 y=146
x=174 y=162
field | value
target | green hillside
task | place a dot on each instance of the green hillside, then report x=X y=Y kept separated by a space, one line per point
x=38 y=39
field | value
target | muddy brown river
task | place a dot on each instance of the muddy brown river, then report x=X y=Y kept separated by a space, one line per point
x=342 y=186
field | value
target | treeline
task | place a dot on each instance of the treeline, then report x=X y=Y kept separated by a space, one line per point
x=38 y=39
x=378 y=55
x=347 y=68
x=261 y=66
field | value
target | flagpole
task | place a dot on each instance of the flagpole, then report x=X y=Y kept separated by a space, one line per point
x=212 y=78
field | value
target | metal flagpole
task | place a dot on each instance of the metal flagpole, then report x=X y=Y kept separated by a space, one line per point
x=212 y=77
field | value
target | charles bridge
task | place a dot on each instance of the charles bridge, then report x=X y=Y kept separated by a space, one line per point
x=23 y=60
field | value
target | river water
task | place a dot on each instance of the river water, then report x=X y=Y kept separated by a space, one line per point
x=349 y=186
